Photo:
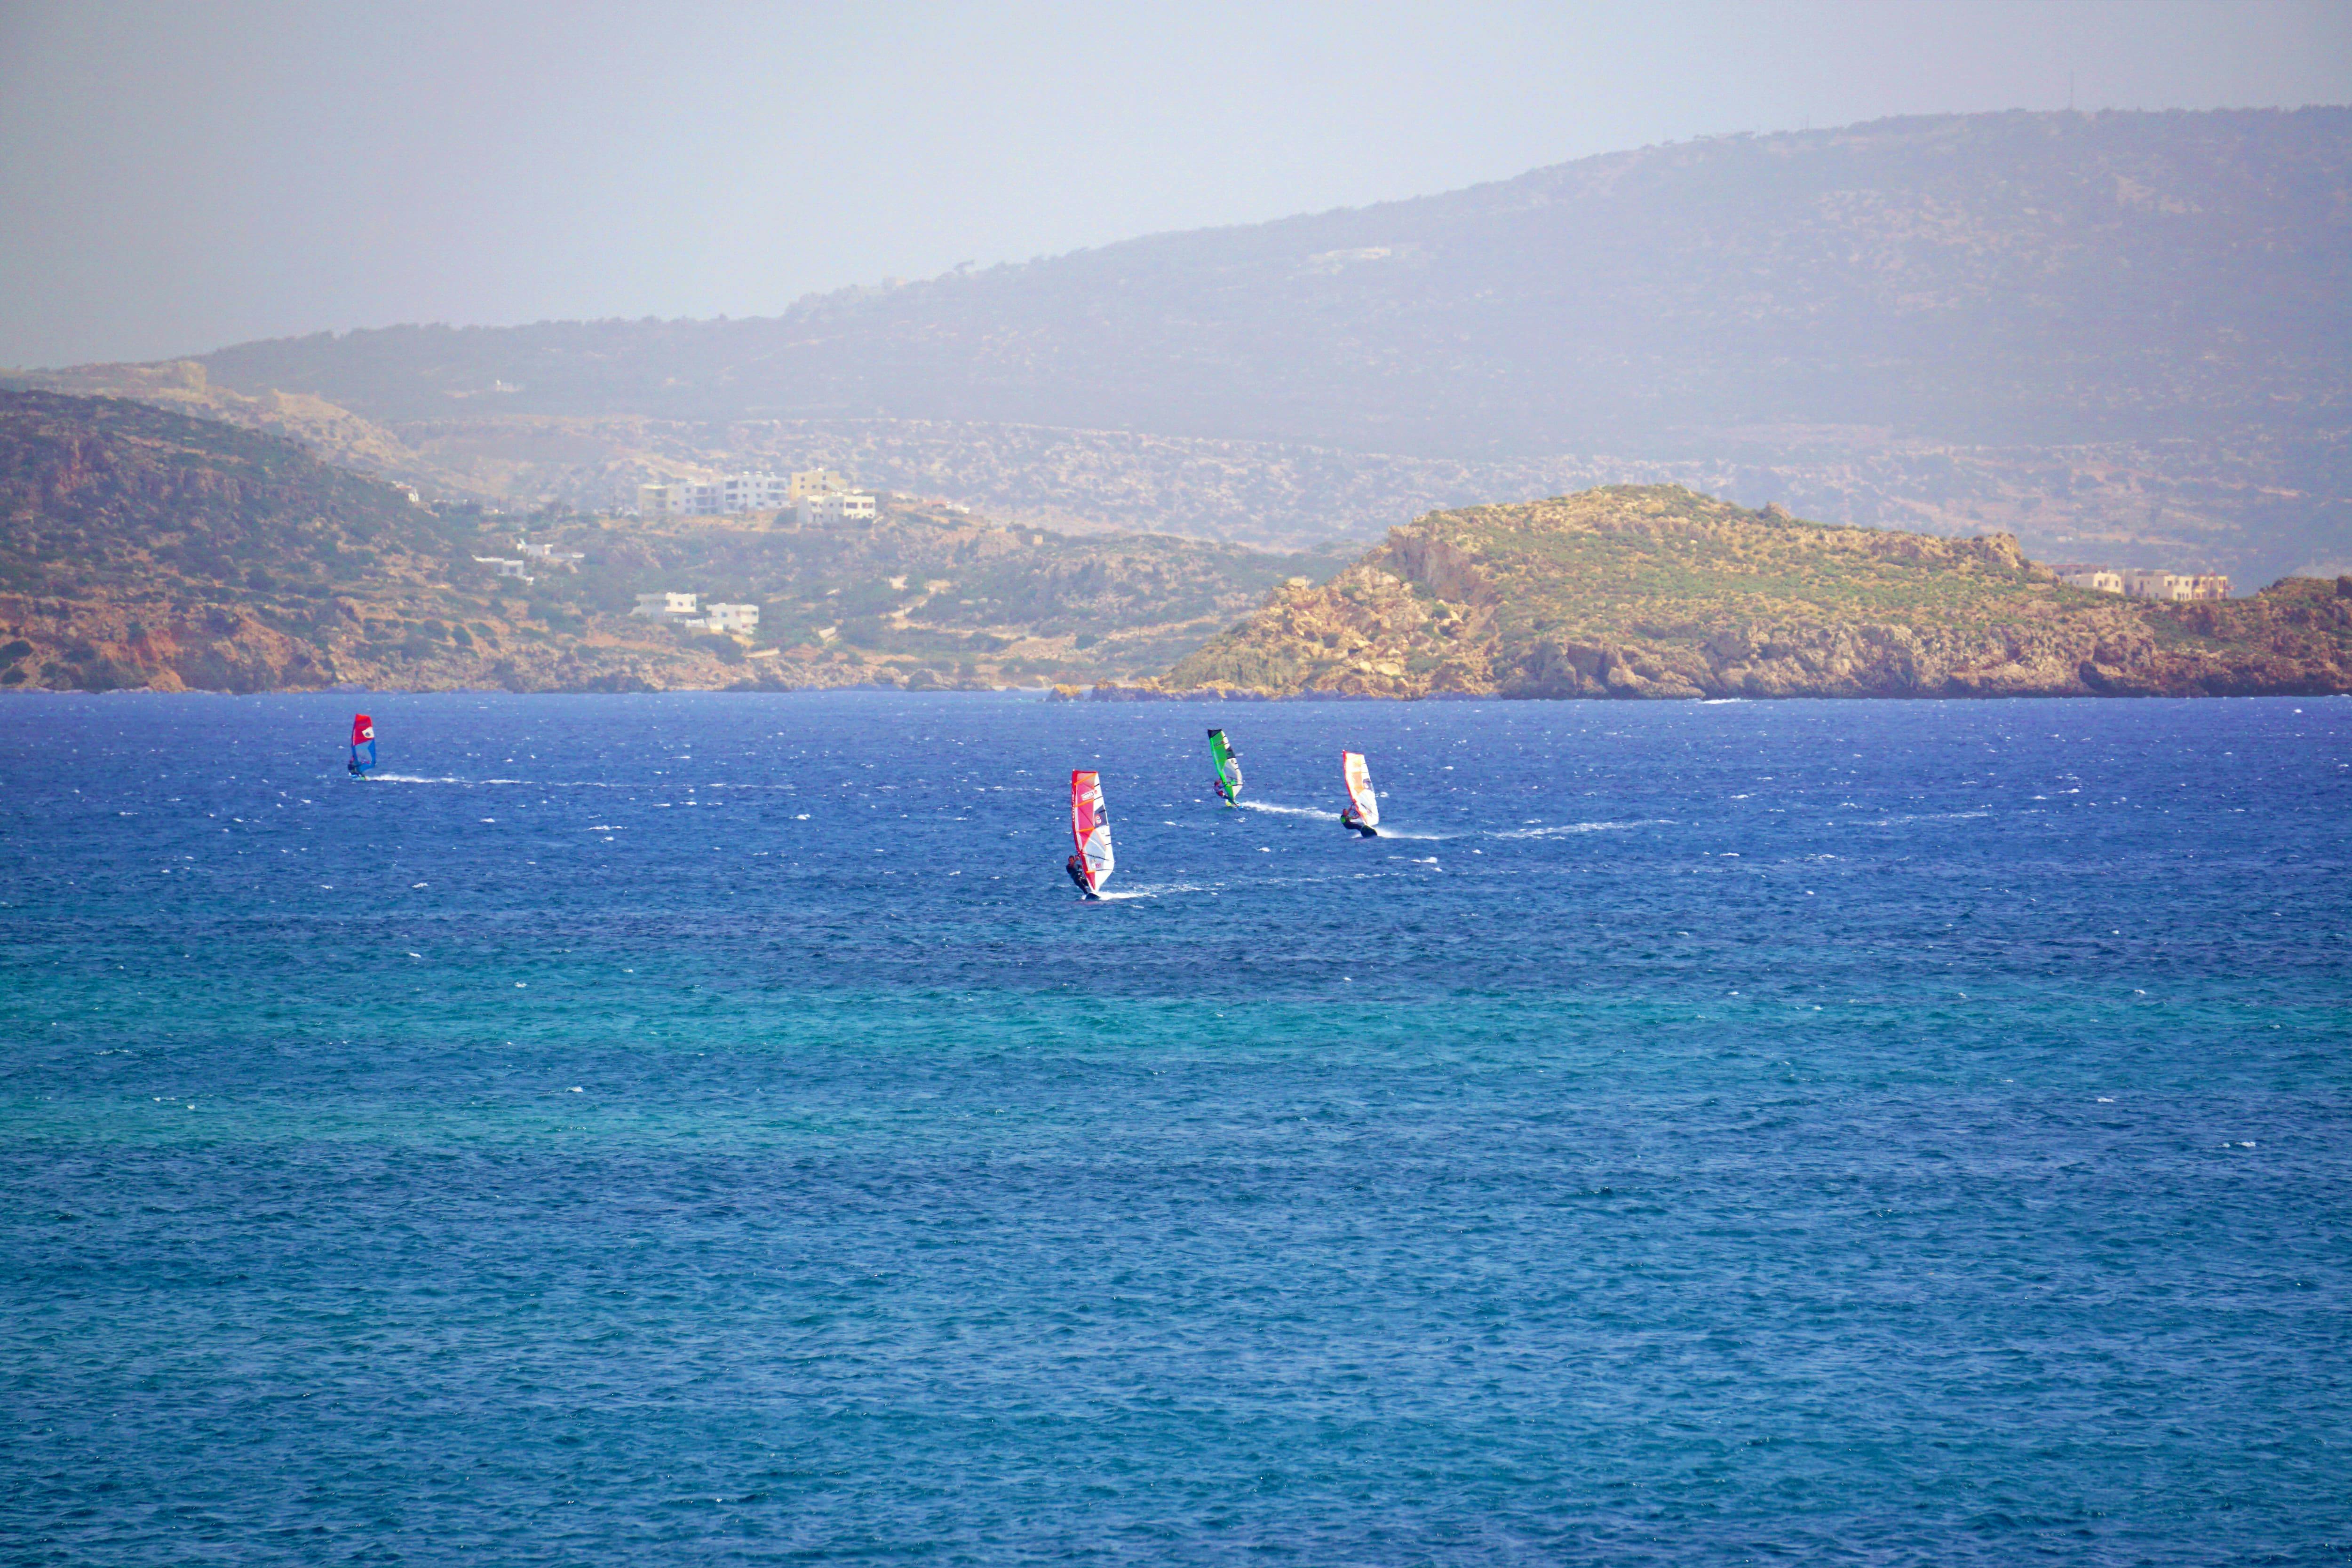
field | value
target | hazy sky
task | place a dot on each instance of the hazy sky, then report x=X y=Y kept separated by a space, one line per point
x=175 y=177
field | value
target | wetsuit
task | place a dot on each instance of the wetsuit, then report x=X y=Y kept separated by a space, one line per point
x=1347 y=818
x=1077 y=868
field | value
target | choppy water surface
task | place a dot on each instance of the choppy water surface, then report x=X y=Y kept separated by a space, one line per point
x=707 y=1128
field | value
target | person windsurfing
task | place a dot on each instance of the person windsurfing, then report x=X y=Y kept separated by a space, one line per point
x=1229 y=768
x=1090 y=867
x=1363 y=812
x=362 y=734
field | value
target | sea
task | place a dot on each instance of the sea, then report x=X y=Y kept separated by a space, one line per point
x=709 y=1128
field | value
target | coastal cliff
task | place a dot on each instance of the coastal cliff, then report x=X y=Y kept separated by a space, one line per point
x=1658 y=591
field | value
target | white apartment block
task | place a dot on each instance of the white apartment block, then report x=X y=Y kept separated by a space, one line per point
x=734 y=493
x=754 y=493
x=2140 y=582
x=657 y=606
x=837 y=506
x=736 y=620
x=671 y=499
x=2173 y=587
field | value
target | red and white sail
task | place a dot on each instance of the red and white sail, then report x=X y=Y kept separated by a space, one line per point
x=1090 y=826
x=1359 y=788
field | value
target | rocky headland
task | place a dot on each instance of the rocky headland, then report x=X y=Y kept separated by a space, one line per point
x=1658 y=591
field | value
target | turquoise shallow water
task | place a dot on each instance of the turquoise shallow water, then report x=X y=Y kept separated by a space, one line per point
x=708 y=1128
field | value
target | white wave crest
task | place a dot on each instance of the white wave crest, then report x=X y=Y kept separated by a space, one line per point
x=1146 y=890
x=1273 y=810
x=1566 y=829
x=470 y=783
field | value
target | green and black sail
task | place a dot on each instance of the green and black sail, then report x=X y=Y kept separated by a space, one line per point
x=1229 y=768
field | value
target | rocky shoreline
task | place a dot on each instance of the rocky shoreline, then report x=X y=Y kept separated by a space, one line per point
x=1659 y=592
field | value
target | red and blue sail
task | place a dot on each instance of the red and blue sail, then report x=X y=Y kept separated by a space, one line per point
x=362 y=745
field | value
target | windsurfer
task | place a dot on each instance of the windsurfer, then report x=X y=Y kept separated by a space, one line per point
x=1077 y=869
x=1229 y=768
x=1364 y=809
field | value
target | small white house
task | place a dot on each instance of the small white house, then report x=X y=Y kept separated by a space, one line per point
x=661 y=606
x=505 y=568
x=550 y=556
x=735 y=620
x=837 y=506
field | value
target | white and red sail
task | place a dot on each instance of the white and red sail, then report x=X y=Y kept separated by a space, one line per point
x=1367 y=805
x=1090 y=827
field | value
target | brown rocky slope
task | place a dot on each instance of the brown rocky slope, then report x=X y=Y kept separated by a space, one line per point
x=142 y=548
x=1657 y=591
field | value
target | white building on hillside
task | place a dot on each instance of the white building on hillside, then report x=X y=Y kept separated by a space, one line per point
x=2142 y=582
x=734 y=493
x=670 y=498
x=735 y=620
x=835 y=507
x=505 y=568
x=754 y=493
x=2174 y=587
x=661 y=606
x=550 y=556
x=2097 y=579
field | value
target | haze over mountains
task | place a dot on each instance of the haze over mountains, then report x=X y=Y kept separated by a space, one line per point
x=2120 y=336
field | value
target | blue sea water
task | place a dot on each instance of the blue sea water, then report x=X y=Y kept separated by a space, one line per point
x=709 y=1128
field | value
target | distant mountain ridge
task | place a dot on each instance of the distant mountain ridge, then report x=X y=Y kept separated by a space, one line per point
x=2121 y=332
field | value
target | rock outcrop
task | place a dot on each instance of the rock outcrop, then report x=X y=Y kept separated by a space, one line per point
x=1657 y=591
